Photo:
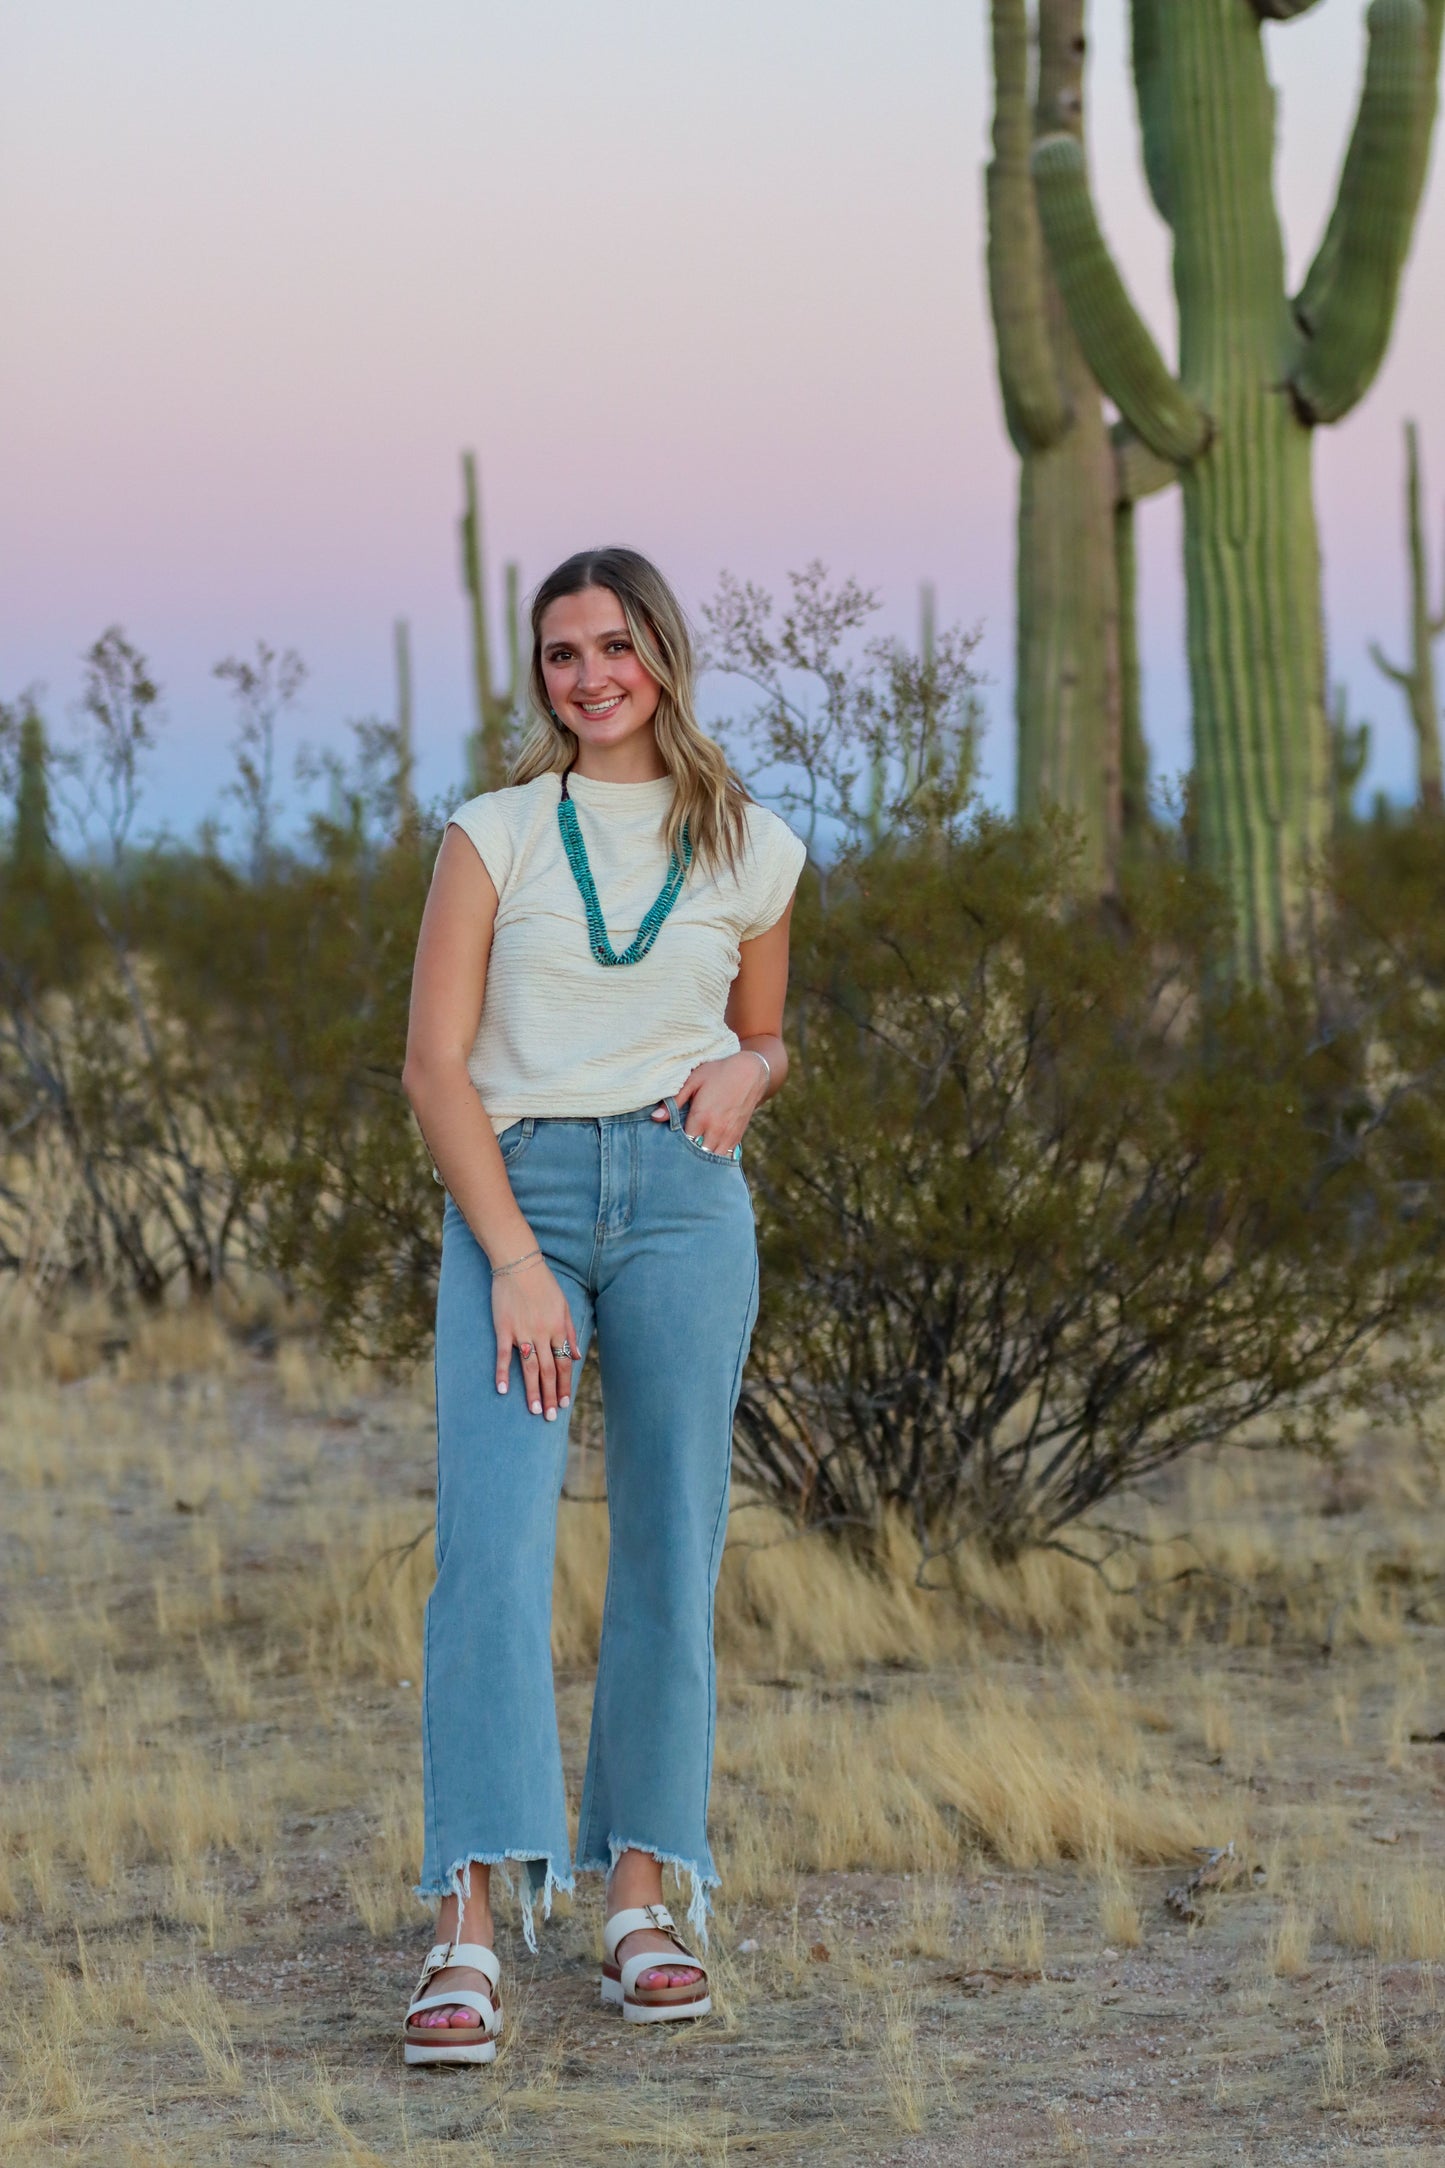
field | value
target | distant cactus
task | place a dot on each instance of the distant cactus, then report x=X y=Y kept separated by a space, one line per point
x=1257 y=374
x=1068 y=664
x=487 y=747
x=32 y=795
x=916 y=758
x=1349 y=758
x=1418 y=680
x=405 y=729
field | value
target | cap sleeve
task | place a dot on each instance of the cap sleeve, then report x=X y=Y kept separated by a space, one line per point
x=482 y=820
x=778 y=859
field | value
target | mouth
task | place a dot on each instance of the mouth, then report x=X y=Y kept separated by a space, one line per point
x=597 y=711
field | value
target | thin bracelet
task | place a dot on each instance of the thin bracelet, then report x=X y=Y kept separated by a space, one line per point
x=765 y=1062
x=499 y=1272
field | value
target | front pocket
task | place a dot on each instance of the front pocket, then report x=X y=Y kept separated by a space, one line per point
x=719 y=1159
x=514 y=1140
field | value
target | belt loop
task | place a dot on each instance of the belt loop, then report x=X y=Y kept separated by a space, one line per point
x=674 y=1119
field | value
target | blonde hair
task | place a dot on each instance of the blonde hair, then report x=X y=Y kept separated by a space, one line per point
x=707 y=795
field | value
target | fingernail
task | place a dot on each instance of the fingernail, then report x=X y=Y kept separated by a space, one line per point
x=536 y=1407
x=566 y=1400
x=501 y=1385
x=551 y=1415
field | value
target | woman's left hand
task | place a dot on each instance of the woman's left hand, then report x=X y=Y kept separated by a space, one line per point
x=719 y=1099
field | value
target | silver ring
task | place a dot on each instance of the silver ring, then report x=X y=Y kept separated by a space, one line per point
x=564 y=1349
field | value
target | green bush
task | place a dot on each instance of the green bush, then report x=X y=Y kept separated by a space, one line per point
x=1046 y=1203
x=1038 y=1216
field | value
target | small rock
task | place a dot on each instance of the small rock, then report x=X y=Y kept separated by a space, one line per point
x=748 y=1948
x=819 y=1952
x=1384 y=1836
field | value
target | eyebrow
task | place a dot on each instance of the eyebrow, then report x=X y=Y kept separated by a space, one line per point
x=620 y=633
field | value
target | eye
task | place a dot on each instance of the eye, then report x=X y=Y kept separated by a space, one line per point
x=620 y=647
x=559 y=654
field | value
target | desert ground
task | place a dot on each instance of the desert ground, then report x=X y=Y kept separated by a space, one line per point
x=948 y=1816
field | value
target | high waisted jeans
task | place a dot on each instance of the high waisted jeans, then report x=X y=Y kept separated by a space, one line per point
x=651 y=1239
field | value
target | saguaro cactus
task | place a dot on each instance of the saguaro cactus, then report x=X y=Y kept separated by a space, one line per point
x=1067 y=676
x=487 y=746
x=405 y=784
x=1418 y=681
x=32 y=795
x=1257 y=374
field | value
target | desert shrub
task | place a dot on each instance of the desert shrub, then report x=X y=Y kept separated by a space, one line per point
x=1046 y=1204
x=1049 y=1201
x=200 y=1044
x=1039 y=1215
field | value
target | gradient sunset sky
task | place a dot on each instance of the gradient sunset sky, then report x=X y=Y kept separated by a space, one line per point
x=707 y=279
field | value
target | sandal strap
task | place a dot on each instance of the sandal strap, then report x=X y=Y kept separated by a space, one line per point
x=475 y=1955
x=653 y=1961
x=627 y=1923
x=469 y=1998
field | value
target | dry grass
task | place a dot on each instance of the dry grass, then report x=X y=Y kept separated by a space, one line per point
x=942 y=1790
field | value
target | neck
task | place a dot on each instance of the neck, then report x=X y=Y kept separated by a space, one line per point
x=635 y=760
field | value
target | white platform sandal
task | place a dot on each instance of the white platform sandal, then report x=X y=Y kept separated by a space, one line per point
x=455 y=2043
x=650 y=2005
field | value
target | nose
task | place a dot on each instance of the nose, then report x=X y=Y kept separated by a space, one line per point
x=592 y=676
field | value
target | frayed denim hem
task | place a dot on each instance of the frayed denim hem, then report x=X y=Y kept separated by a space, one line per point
x=698 y=1905
x=458 y=1884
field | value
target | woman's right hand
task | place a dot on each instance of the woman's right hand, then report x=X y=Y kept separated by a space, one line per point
x=531 y=1316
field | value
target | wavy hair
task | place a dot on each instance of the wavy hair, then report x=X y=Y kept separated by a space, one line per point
x=707 y=794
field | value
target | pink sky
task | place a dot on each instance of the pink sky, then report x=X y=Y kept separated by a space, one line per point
x=708 y=280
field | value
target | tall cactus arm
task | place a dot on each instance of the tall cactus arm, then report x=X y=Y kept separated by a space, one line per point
x=1138 y=472
x=1116 y=343
x=1426 y=626
x=1431 y=627
x=1383 y=663
x=1033 y=400
x=1320 y=274
x=1146 y=43
x=1345 y=341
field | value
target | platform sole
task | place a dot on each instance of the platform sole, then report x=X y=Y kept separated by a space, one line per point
x=472 y=2051
x=652 y=2013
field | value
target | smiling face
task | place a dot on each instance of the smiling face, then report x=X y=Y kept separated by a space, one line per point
x=597 y=682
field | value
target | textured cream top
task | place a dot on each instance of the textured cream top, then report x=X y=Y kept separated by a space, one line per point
x=561 y=1033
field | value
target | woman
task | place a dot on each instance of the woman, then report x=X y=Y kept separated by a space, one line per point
x=596 y=1017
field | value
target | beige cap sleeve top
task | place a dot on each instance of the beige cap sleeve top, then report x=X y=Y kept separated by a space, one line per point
x=562 y=1034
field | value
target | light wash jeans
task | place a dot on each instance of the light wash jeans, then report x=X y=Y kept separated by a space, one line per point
x=651 y=1238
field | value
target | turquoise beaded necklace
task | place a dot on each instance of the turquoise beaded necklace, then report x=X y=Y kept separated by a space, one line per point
x=651 y=926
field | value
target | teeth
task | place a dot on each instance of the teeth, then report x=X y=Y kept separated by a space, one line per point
x=599 y=707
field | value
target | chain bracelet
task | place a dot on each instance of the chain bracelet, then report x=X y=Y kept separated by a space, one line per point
x=499 y=1272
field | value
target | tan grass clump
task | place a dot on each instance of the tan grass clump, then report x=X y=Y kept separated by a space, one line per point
x=908 y=1784
x=380 y=1885
x=1290 y=1944
x=1397 y=1914
x=1119 y=1919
